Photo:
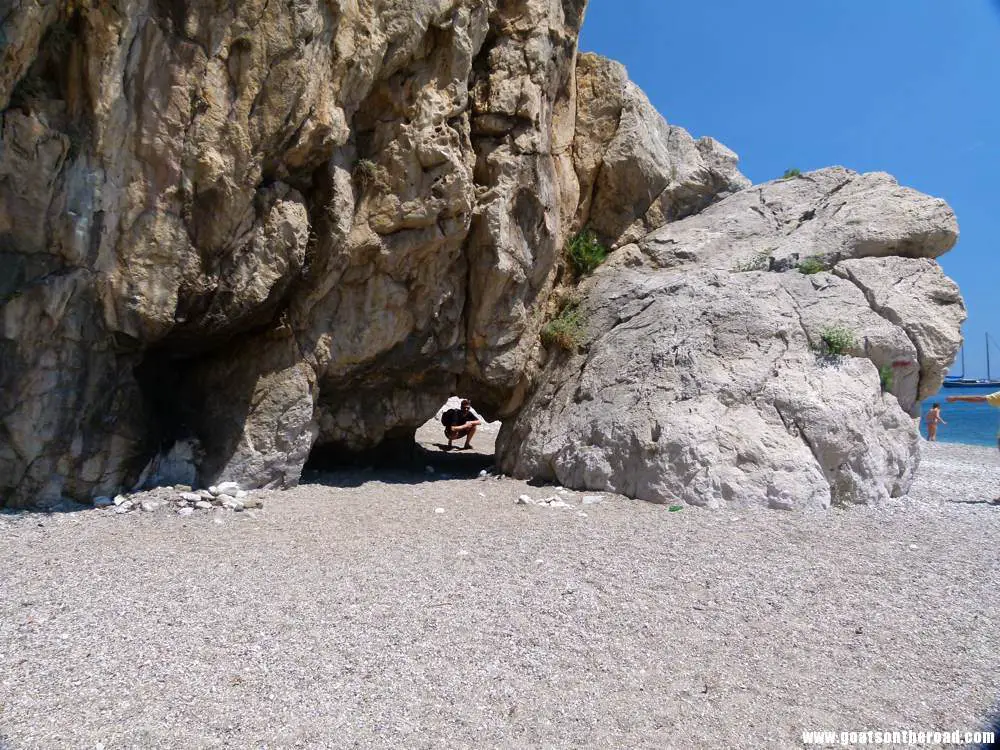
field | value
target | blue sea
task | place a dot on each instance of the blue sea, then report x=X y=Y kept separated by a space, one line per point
x=973 y=424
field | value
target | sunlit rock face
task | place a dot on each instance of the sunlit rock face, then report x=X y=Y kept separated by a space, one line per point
x=705 y=374
x=231 y=235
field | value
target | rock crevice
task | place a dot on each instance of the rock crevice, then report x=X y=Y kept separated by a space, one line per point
x=230 y=237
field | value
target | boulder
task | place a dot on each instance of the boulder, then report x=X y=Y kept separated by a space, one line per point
x=705 y=379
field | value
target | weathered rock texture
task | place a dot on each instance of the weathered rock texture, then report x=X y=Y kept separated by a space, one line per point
x=254 y=227
x=231 y=233
x=702 y=380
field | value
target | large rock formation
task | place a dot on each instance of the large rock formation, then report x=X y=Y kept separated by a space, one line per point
x=229 y=235
x=703 y=377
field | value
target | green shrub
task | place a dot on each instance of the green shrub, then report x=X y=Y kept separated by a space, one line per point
x=885 y=378
x=811 y=265
x=791 y=173
x=585 y=253
x=837 y=341
x=566 y=330
x=369 y=174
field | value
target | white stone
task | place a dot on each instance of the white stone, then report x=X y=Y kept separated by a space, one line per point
x=190 y=497
x=203 y=505
x=240 y=494
x=591 y=499
x=215 y=490
x=228 y=488
x=148 y=506
x=185 y=511
x=525 y=500
x=119 y=499
x=439 y=510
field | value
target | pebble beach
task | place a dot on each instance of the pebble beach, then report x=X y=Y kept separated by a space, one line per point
x=380 y=610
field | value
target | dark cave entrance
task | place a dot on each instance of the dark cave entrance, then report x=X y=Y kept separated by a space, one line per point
x=409 y=451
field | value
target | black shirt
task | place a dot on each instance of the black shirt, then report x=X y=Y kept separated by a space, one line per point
x=455 y=417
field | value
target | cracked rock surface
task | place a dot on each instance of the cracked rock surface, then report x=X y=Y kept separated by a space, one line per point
x=232 y=236
x=702 y=381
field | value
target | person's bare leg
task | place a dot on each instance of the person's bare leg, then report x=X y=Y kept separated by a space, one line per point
x=471 y=430
x=932 y=433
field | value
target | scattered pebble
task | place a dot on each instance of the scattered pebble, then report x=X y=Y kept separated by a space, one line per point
x=591 y=499
x=185 y=511
x=549 y=502
x=439 y=510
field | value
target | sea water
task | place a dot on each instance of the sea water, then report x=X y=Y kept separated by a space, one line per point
x=972 y=424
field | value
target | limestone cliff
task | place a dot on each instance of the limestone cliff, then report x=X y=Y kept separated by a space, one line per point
x=233 y=232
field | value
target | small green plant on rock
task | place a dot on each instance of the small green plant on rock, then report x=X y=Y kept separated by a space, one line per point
x=370 y=175
x=565 y=331
x=885 y=378
x=791 y=174
x=585 y=253
x=837 y=341
x=811 y=265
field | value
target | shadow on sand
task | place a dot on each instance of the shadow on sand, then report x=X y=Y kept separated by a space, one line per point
x=417 y=464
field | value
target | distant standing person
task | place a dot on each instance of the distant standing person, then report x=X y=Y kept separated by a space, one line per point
x=460 y=423
x=933 y=419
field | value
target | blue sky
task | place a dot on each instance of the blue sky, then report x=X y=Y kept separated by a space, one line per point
x=910 y=87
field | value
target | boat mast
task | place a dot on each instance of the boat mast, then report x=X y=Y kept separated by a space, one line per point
x=988 y=357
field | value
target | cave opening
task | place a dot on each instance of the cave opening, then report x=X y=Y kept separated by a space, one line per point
x=412 y=451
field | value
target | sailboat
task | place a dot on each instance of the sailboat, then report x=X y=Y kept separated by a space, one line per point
x=960 y=381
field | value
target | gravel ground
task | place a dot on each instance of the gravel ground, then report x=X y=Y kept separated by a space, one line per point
x=389 y=611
